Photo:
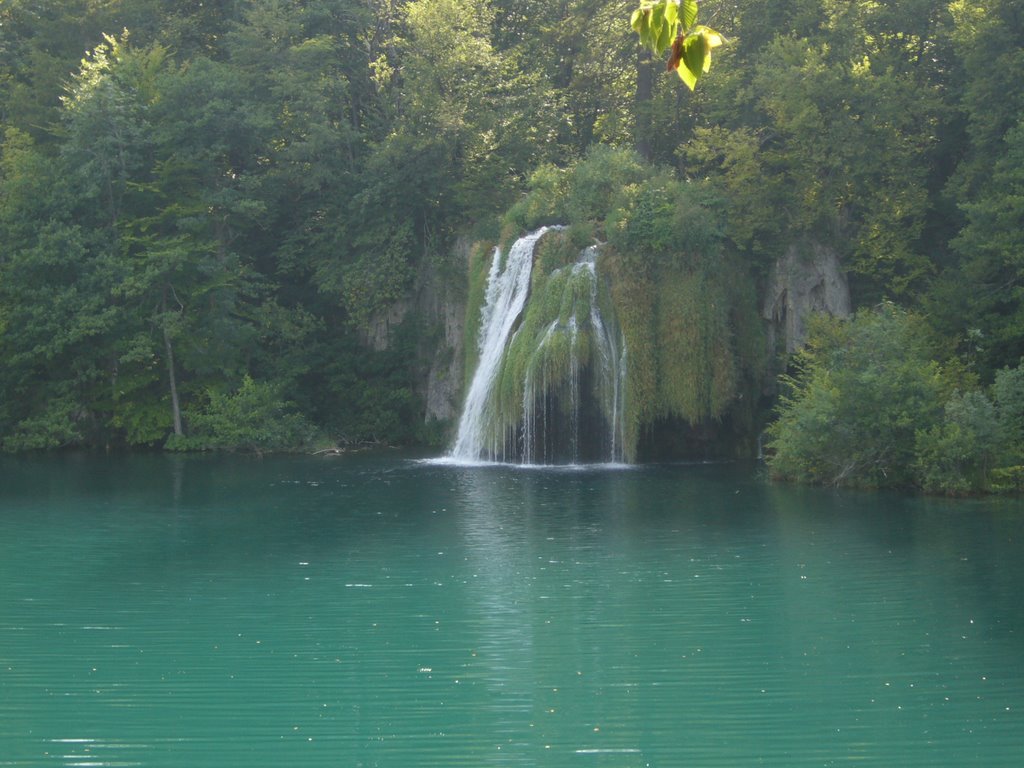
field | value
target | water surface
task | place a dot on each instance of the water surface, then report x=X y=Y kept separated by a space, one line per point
x=376 y=611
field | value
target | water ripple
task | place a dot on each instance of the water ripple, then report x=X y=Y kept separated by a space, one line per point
x=453 y=617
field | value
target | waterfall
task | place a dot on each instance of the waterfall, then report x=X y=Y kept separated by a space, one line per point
x=612 y=349
x=550 y=383
x=506 y=295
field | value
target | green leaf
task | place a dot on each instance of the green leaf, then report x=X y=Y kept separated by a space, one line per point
x=657 y=27
x=671 y=13
x=636 y=21
x=694 y=55
x=687 y=76
x=641 y=22
x=689 y=9
x=666 y=36
x=710 y=39
x=657 y=24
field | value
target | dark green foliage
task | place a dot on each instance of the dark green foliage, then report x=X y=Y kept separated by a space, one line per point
x=1008 y=393
x=863 y=389
x=222 y=190
x=957 y=455
x=55 y=424
x=196 y=212
x=979 y=446
x=583 y=195
x=869 y=406
x=826 y=127
x=252 y=419
x=378 y=279
x=982 y=295
x=368 y=396
x=685 y=303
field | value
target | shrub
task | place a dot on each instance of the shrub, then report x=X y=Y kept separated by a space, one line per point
x=862 y=391
x=56 y=425
x=596 y=183
x=1008 y=393
x=957 y=456
x=544 y=203
x=667 y=220
x=252 y=419
x=581 y=196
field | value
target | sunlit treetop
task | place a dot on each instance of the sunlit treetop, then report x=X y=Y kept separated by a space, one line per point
x=672 y=25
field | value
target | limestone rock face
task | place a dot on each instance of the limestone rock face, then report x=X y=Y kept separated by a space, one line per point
x=444 y=379
x=377 y=335
x=438 y=304
x=807 y=279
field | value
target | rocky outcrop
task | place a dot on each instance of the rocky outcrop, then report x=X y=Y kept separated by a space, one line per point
x=807 y=279
x=377 y=334
x=438 y=306
x=445 y=305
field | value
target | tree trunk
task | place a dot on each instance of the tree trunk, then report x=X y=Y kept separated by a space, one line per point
x=175 y=404
x=642 y=102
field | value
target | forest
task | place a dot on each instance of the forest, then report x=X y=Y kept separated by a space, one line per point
x=252 y=224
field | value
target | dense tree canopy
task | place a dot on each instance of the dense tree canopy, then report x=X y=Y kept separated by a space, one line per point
x=207 y=204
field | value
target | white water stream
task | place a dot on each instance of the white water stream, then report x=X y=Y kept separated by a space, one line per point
x=507 y=289
x=508 y=286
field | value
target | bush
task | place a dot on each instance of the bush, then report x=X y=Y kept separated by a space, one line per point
x=253 y=419
x=1008 y=393
x=957 y=456
x=544 y=203
x=869 y=406
x=57 y=425
x=980 y=444
x=596 y=183
x=862 y=392
x=582 y=196
x=667 y=220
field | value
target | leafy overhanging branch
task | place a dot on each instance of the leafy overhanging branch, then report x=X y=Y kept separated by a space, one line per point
x=671 y=25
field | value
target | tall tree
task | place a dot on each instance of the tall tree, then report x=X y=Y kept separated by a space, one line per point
x=978 y=298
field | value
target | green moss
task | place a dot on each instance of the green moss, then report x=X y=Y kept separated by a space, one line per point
x=553 y=251
x=750 y=349
x=693 y=339
x=686 y=311
x=554 y=343
x=521 y=359
x=631 y=294
x=696 y=376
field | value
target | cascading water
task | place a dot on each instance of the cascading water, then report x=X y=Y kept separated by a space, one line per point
x=549 y=386
x=612 y=369
x=507 y=290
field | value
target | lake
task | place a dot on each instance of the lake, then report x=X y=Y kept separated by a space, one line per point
x=374 y=610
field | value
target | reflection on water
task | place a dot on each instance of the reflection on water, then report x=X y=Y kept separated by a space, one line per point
x=374 y=611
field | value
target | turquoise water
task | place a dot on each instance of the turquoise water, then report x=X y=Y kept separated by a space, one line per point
x=377 y=611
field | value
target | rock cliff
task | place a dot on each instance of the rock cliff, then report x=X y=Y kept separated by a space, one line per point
x=439 y=307
x=808 y=278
